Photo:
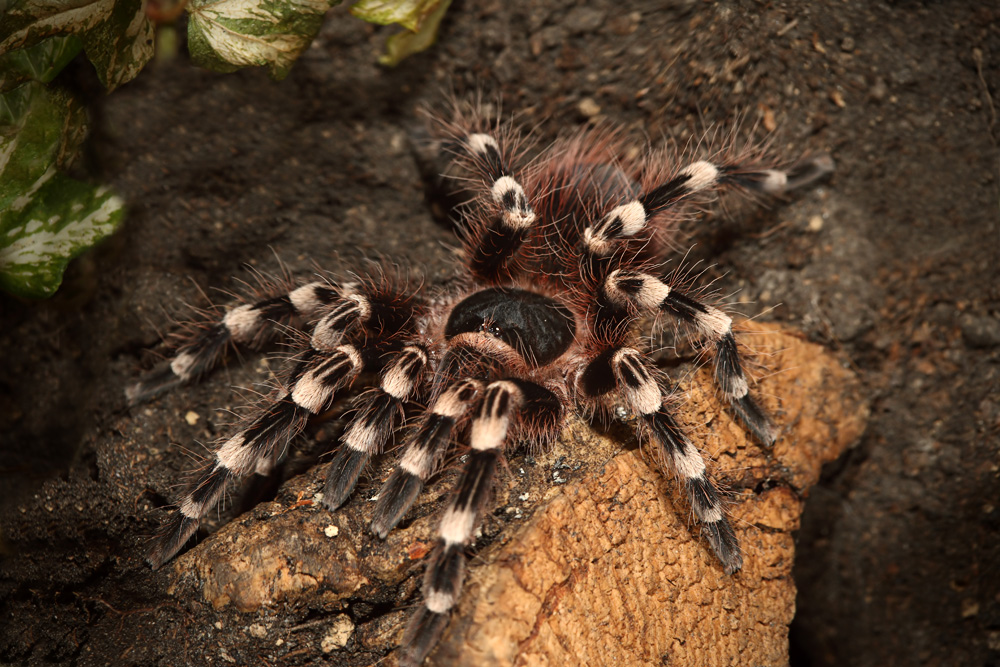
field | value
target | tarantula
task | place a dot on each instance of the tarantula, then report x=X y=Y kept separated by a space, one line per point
x=561 y=264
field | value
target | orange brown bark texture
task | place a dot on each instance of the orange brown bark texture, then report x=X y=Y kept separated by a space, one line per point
x=592 y=557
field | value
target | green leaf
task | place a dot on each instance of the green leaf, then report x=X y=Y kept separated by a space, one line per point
x=116 y=34
x=39 y=127
x=121 y=46
x=421 y=19
x=40 y=62
x=407 y=13
x=63 y=218
x=405 y=44
x=46 y=217
x=224 y=35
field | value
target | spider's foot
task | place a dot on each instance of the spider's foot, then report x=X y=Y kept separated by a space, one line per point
x=809 y=171
x=176 y=533
x=723 y=541
x=755 y=419
x=422 y=634
x=155 y=383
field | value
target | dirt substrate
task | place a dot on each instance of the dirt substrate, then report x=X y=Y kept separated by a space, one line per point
x=891 y=267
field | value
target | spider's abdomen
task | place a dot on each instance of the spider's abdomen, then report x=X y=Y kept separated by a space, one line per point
x=540 y=329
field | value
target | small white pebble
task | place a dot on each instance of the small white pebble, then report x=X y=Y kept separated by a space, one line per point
x=815 y=223
x=191 y=417
x=588 y=107
x=257 y=630
x=338 y=634
x=331 y=531
x=279 y=642
x=218 y=625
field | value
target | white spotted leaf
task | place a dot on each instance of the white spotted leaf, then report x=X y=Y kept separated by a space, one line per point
x=40 y=62
x=117 y=35
x=224 y=35
x=46 y=217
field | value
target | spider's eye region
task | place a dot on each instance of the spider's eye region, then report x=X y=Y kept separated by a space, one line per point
x=492 y=329
x=538 y=328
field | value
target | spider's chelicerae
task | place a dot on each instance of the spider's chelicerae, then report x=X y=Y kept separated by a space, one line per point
x=562 y=260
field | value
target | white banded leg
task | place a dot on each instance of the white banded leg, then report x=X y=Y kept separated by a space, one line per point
x=379 y=416
x=446 y=568
x=631 y=217
x=687 y=461
x=507 y=193
x=624 y=291
x=422 y=455
x=248 y=324
x=496 y=243
x=624 y=369
x=256 y=447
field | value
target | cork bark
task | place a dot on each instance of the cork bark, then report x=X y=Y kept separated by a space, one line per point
x=591 y=556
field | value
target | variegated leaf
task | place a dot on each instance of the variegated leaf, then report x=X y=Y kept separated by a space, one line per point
x=421 y=19
x=46 y=217
x=116 y=34
x=408 y=13
x=63 y=218
x=224 y=35
x=40 y=62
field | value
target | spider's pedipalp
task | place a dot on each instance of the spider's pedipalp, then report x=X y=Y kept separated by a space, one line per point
x=506 y=191
x=422 y=454
x=313 y=298
x=344 y=317
x=319 y=375
x=378 y=418
x=493 y=243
